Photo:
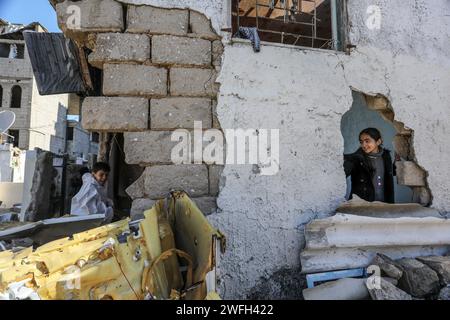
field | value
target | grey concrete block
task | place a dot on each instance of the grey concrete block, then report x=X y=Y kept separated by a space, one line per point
x=388 y=291
x=207 y=205
x=149 y=147
x=115 y=114
x=160 y=180
x=147 y=19
x=181 y=51
x=410 y=174
x=193 y=82
x=139 y=206
x=418 y=279
x=134 y=80
x=441 y=265
x=217 y=52
x=90 y=16
x=215 y=172
x=201 y=26
x=216 y=122
x=136 y=190
x=118 y=47
x=175 y=113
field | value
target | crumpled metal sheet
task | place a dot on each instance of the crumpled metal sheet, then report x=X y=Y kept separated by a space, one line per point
x=167 y=255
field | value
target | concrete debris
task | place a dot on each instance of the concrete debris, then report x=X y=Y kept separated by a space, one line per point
x=342 y=289
x=445 y=293
x=441 y=265
x=418 y=279
x=123 y=260
x=388 y=266
x=388 y=291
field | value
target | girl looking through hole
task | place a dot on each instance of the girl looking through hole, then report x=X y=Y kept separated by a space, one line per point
x=371 y=168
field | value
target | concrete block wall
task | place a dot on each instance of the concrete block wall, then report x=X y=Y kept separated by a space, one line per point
x=159 y=74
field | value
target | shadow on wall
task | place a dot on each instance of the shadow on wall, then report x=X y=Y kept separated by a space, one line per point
x=381 y=116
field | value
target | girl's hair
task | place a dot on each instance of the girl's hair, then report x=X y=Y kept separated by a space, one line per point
x=373 y=133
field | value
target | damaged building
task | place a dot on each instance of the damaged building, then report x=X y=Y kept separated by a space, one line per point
x=317 y=71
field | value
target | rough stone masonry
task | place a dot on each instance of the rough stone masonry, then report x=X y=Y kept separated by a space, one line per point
x=159 y=72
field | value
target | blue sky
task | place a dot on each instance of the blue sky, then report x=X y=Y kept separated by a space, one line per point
x=26 y=11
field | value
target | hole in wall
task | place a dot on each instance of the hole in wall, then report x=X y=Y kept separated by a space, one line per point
x=376 y=111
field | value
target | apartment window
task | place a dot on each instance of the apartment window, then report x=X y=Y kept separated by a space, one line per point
x=12 y=51
x=312 y=23
x=14 y=137
x=16 y=97
x=70 y=131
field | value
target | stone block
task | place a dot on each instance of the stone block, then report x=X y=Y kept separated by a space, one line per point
x=402 y=146
x=160 y=180
x=207 y=205
x=217 y=52
x=388 y=291
x=120 y=47
x=136 y=190
x=181 y=51
x=410 y=174
x=134 y=80
x=215 y=172
x=418 y=279
x=90 y=16
x=192 y=82
x=149 y=147
x=388 y=266
x=441 y=265
x=147 y=19
x=176 y=113
x=139 y=206
x=115 y=114
x=201 y=26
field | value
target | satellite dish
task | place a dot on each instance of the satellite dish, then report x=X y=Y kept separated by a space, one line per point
x=7 y=119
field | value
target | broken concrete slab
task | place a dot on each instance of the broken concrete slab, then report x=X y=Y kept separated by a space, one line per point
x=418 y=279
x=388 y=266
x=115 y=114
x=388 y=291
x=328 y=259
x=364 y=208
x=134 y=80
x=444 y=294
x=441 y=265
x=342 y=289
x=120 y=47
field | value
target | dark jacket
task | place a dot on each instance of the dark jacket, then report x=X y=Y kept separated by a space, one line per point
x=358 y=166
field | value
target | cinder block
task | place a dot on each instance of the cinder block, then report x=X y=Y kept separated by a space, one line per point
x=181 y=51
x=207 y=205
x=410 y=174
x=118 y=47
x=147 y=19
x=160 y=180
x=215 y=171
x=139 y=206
x=176 y=113
x=134 y=80
x=201 y=26
x=217 y=52
x=115 y=114
x=192 y=82
x=149 y=147
x=90 y=16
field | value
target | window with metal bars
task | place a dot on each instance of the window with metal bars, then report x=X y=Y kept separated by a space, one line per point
x=312 y=23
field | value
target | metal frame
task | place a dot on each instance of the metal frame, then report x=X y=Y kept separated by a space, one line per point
x=311 y=279
x=328 y=43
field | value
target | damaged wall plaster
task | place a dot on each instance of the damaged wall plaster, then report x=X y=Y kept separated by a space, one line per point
x=305 y=93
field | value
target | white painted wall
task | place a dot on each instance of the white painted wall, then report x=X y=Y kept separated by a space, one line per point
x=305 y=93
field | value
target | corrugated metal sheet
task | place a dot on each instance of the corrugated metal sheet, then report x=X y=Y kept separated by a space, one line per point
x=55 y=63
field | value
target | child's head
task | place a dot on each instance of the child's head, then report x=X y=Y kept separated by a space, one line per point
x=100 y=172
x=370 y=140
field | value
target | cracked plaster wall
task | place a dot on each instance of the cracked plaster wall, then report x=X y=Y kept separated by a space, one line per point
x=305 y=93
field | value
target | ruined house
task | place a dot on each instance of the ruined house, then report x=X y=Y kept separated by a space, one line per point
x=323 y=70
